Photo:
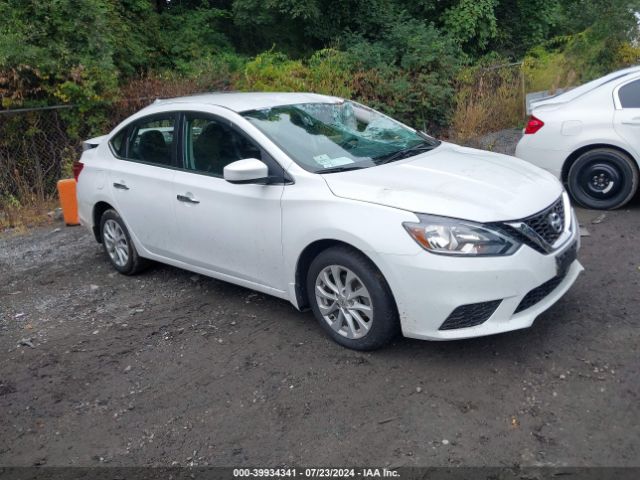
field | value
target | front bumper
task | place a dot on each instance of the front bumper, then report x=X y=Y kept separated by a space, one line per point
x=428 y=288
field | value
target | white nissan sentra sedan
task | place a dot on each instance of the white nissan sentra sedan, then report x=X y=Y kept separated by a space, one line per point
x=377 y=227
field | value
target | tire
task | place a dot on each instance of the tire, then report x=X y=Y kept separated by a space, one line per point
x=603 y=179
x=118 y=246
x=354 y=326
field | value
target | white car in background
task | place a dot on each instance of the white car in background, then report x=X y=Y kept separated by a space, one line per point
x=376 y=227
x=589 y=137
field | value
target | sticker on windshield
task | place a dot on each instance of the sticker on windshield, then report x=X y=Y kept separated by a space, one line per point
x=325 y=161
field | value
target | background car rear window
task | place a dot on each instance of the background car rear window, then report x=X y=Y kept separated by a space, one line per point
x=630 y=95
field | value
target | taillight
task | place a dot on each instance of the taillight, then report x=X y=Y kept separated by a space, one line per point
x=77 y=168
x=533 y=125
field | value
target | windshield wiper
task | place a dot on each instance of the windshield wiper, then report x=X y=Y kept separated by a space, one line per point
x=407 y=152
x=344 y=168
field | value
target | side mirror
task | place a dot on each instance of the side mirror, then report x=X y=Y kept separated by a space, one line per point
x=249 y=170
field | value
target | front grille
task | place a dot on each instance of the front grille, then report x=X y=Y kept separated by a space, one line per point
x=516 y=234
x=540 y=223
x=539 y=293
x=470 y=315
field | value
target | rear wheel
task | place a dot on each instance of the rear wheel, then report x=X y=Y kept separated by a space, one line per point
x=118 y=246
x=603 y=178
x=351 y=299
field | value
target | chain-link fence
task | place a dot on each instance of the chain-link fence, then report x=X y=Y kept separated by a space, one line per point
x=35 y=152
x=39 y=145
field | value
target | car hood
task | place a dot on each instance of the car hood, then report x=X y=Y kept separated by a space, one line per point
x=453 y=181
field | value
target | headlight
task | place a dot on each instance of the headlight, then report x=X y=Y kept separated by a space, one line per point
x=450 y=236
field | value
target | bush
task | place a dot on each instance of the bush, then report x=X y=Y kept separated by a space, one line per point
x=325 y=72
x=407 y=73
x=487 y=100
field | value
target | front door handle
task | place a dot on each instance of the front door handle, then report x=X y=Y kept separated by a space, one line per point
x=186 y=199
x=635 y=123
x=120 y=186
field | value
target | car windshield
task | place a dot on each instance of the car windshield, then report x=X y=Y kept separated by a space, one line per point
x=334 y=137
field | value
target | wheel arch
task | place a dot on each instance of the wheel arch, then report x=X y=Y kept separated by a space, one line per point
x=305 y=258
x=98 y=210
x=577 y=153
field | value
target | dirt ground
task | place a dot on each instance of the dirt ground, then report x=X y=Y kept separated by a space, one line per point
x=171 y=368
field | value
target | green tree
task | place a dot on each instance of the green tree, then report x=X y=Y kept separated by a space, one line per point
x=472 y=23
x=66 y=46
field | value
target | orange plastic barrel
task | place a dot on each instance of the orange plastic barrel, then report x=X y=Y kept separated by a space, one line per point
x=68 y=201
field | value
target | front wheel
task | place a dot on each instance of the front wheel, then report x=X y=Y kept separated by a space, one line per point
x=351 y=299
x=603 y=178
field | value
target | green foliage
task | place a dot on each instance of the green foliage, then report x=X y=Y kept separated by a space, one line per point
x=472 y=22
x=325 y=72
x=575 y=59
x=407 y=72
x=67 y=47
x=422 y=61
x=523 y=24
x=402 y=56
x=187 y=36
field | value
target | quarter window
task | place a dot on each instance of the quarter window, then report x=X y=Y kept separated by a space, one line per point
x=211 y=145
x=630 y=95
x=118 y=142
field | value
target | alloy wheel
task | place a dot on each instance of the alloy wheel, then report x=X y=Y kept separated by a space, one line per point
x=344 y=301
x=116 y=242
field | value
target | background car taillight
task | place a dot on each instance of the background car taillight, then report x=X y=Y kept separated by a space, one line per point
x=533 y=125
x=77 y=168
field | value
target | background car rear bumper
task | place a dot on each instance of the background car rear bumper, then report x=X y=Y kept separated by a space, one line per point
x=548 y=159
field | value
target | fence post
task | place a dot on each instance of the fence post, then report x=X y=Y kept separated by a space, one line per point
x=524 y=92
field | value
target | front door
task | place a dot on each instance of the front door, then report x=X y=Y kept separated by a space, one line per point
x=232 y=229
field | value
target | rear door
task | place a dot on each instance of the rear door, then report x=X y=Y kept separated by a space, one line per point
x=144 y=164
x=627 y=116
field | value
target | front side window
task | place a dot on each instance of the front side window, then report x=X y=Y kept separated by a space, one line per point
x=630 y=95
x=152 y=140
x=330 y=137
x=212 y=144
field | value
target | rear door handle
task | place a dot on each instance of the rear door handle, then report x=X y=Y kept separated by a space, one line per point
x=120 y=186
x=186 y=199
x=632 y=122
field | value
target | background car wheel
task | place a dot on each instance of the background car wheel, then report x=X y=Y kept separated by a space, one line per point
x=351 y=299
x=118 y=246
x=603 y=178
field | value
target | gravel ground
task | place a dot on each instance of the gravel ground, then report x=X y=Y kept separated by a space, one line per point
x=504 y=141
x=171 y=368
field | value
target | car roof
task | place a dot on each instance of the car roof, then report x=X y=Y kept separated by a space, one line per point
x=588 y=87
x=244 y=101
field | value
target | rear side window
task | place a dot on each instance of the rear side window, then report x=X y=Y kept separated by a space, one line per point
x=150 y=140
x=153 y=140
x=630 y=95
